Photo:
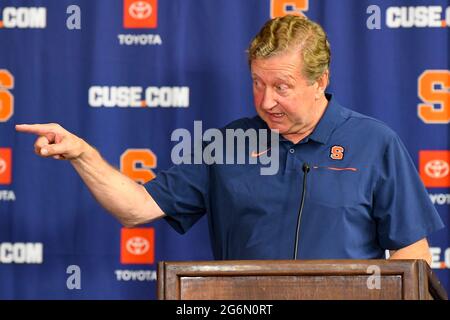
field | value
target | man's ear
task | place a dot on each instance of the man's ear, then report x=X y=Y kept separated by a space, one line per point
x=323 y=80
x=322 y=84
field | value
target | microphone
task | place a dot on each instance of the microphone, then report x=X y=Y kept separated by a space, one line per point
x=305 y=169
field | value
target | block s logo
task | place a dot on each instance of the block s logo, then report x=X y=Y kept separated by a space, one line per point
x=280 y=8
x=337 y=152
x=6 y=98
x=434 y=91
x=137 y=164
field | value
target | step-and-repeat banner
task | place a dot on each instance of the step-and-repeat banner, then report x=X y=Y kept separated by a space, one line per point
x=124 y=74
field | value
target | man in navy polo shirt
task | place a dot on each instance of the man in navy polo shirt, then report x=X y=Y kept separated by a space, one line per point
x=363 y=194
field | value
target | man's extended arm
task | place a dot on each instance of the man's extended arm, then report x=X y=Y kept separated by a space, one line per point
x=127 y=200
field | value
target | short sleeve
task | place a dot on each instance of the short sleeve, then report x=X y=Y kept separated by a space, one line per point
x=181 y=193
x=402 y=208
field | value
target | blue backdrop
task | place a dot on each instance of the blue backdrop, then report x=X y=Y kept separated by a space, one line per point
x=136 y=71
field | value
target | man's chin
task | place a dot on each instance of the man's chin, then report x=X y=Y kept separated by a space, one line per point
x=276 y=127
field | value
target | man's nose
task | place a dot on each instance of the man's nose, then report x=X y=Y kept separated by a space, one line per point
x=268 y=101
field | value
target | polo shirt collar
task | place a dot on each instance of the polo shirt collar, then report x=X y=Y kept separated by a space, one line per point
x=330 y=119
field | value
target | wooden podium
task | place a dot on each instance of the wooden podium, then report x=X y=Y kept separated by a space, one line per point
x=298 y=280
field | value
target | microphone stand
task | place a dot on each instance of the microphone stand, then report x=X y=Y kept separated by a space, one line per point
x=305 y=169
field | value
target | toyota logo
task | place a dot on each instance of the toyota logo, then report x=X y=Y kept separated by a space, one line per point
x=437 y=169
x=140 y=10
x=137 y=245
x=2 y=165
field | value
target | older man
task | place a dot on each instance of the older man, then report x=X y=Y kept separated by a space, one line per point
x=363 y=197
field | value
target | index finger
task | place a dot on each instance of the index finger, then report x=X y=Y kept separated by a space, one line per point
x=39 y=129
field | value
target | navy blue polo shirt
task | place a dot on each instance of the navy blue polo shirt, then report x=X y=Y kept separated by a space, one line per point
x=363 y=195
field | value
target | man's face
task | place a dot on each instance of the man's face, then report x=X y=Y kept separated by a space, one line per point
x=284 y=99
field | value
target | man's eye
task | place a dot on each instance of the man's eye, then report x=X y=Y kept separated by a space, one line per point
x=256 y=83
x=281 y=87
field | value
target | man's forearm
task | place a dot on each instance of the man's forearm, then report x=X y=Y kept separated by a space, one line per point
x=127 y=200
x=417 y=250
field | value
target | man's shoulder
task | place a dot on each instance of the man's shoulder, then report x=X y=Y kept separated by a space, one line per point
x=367 y=125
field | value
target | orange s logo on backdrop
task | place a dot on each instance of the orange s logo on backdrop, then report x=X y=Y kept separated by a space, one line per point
x=433 y=88
x=6 y=98
x=279 y=8
x=137 y=164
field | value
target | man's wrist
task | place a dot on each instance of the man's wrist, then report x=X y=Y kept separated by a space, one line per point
x=86 y=152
